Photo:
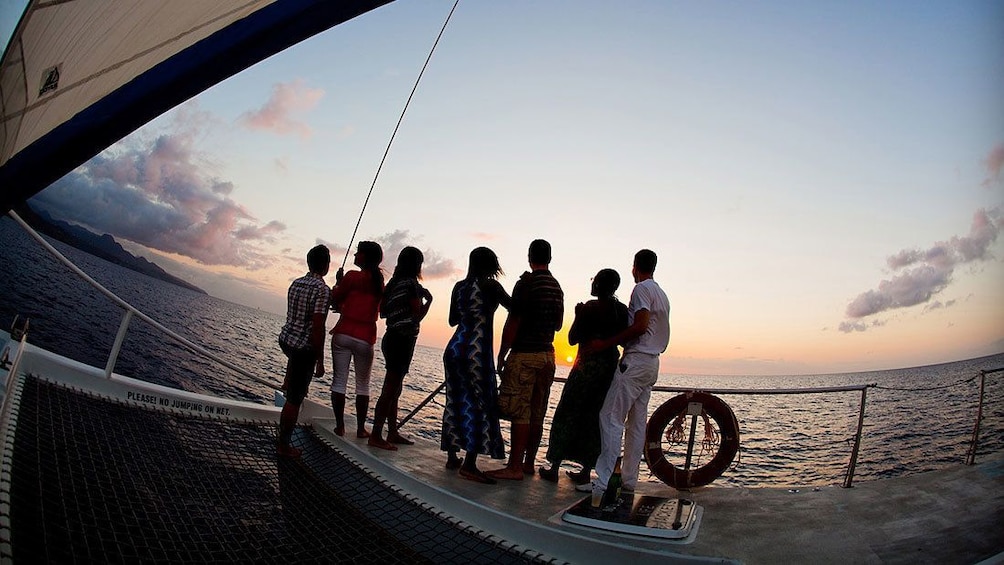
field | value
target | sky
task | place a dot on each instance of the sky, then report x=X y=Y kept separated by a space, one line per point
x=822 y=182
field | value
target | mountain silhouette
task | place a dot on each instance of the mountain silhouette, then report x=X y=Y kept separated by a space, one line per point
x=103 y=246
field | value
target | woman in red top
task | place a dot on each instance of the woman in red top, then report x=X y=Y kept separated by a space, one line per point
x=356 y=296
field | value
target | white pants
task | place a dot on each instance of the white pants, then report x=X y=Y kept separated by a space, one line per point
x=343 y=350
x=626 y=401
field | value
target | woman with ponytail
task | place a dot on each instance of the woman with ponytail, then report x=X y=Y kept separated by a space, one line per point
x=356 y=297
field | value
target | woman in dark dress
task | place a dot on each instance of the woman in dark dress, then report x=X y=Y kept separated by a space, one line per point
x=471 y=418
x=575 y=428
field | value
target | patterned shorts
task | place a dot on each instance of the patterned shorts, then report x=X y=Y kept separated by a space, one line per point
x=525 y=387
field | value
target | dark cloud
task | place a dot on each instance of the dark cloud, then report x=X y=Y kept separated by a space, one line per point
x=925 y=273
x=158 y=192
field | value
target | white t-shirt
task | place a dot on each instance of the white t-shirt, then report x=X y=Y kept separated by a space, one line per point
x=647 y=295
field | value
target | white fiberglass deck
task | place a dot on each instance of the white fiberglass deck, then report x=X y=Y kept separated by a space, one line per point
x=948 y=516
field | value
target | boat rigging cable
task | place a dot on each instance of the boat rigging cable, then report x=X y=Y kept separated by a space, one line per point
x=400 y=118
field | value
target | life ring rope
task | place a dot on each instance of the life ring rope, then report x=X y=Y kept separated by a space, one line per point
x=667 y=424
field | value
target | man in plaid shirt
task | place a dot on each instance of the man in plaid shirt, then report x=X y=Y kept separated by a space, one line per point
x=302 y=340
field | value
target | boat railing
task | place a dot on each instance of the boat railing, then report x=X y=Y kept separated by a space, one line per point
x=971 y=453
x=131 y=311
x=849 y=476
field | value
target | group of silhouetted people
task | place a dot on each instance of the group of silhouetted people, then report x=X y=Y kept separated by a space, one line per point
x=605 y=399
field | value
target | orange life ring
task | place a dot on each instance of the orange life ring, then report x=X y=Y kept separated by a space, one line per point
x=728 y=427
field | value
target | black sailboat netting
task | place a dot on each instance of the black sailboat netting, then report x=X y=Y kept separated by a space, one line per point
x=95 y=480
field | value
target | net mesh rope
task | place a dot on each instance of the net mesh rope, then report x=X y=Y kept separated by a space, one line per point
x=95 y=480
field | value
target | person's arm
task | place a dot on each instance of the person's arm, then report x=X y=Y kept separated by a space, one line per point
x=317 y=321
x=454 y=318
x=511 y=325
x=574 y=332
x=508 y=335
x=638 y=327
x=420 y=303
x=342 y=289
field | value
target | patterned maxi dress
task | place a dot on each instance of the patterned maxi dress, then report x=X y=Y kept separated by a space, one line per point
x=471 y=418
x=575 y=427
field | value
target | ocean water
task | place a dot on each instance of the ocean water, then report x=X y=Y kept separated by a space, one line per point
x=916 y=419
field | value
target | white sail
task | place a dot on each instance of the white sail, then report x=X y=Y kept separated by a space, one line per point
x=79 y=75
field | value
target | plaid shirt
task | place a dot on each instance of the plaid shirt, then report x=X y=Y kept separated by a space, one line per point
x=308 y=295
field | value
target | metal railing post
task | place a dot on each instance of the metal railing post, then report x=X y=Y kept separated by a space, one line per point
x=857 y=441
x=971 y=455
x=117 y=346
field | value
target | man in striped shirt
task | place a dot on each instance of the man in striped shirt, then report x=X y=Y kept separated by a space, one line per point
x=302 y=340
x=528 y=372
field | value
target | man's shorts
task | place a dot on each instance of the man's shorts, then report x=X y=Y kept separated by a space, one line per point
x=299 y=372
x=525 y=387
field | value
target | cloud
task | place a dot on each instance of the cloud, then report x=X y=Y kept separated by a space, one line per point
x=158 y=191
x=925 y=273
x=859 y=326
x=277 y=115
x=938 y=305
x=435 y=266
x=994 y=163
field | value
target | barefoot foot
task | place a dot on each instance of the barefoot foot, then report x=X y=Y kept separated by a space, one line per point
x=381 y=443
x=506 y=474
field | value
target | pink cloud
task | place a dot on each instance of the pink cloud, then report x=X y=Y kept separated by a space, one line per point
x=994 y=163
x=278 y=113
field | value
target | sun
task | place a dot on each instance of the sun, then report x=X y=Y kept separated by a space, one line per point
x=564 y=354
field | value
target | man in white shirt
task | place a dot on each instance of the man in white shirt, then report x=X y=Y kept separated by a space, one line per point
x=645 y=338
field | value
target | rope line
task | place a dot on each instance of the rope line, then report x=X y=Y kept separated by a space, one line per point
x=348 y=248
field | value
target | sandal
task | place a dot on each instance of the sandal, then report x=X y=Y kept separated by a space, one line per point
x=550 y=475
x=579 y=478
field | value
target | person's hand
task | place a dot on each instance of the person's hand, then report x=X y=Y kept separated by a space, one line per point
x=426 y=295
x=339 y=274
x=578 y=307
x=319 y=371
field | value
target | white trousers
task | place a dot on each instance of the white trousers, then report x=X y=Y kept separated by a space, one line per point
x=343 y=350
x=623 y=416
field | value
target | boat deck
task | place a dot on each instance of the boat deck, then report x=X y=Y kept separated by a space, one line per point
x=133 y=471
x=948 y=516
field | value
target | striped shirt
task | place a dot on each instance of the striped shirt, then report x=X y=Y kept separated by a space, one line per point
x=539 y=302
x=398 y=298
x=308 y=295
